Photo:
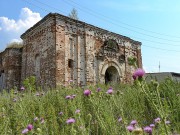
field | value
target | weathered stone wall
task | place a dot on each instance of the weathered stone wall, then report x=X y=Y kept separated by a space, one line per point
x=99 y=59
x=39 y=52
x=70 y=50
x=80 y=54
x=59 y=49
x=10 y=68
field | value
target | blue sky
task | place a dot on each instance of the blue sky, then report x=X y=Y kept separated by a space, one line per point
x=155 y=23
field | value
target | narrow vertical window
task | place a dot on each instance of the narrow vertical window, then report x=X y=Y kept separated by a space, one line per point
x=37 y=66
x=71 y=47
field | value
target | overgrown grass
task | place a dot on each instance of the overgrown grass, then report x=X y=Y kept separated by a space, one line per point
x=100 y=112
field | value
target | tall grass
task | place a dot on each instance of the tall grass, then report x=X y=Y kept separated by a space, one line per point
x=99 y=113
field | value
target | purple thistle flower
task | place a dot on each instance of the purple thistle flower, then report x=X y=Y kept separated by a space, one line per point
x=130 y=128
x=133 y=122
x=138 y=73
x=87 y=92
x=152 y=125
x=148 y=130
x=119 y=119
x=25 y=131
x=22 y=88
x=157 y=120
x=38 y=94
x=98 y=89
x=35 y=119
x=77 y=111
x=110 y=91
x=42 y=120
x=70 y=121
x=167 y=122
x=30 y=127
x=73 y=96
x=60 y=113
x=68 y=97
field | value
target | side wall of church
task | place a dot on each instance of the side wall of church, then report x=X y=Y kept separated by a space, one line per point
x=10 y=68
x=39 y=51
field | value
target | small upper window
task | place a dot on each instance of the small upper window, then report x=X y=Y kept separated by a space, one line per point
x=122 y=58
x=70 y=63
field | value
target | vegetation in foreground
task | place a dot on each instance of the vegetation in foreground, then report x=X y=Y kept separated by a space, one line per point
x=116 y=109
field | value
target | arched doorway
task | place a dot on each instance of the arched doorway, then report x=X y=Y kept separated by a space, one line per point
x=111 y=75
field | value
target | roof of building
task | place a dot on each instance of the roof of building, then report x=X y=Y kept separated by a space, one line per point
x=165 y=73
x=55 y=15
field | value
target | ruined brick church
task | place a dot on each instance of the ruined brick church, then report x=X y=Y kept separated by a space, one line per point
x=58 y=49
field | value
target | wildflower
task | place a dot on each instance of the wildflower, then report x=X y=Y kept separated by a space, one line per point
x=37 y=94
x=119 y=119
x=130 y=128
x=133 y=122
x=22 y=88
x=42 y=120
x=157 y=120
x=73 y=96
x=148 y=130
x=30 y=127
x=70 y=121
x=139 y=72
x=152 y=125
x=98 y=89
x=87 y=92
x=167 y=122
x=35 y=119
x=68 y=97
x=60 y=113
x=110 y=91
x=77 y=111
x=25 y=131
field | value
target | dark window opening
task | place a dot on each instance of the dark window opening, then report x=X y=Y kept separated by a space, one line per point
x=122 y=58
x=111 y=45
x=70 y=63
x=2 y=71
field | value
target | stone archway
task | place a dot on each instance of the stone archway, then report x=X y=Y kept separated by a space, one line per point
x=107 y=68
x=111 y=75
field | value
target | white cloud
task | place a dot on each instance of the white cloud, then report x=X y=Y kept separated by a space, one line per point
x=11 y=29
x=26 y=20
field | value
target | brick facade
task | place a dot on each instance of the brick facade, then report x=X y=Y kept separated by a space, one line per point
x=58 y=49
